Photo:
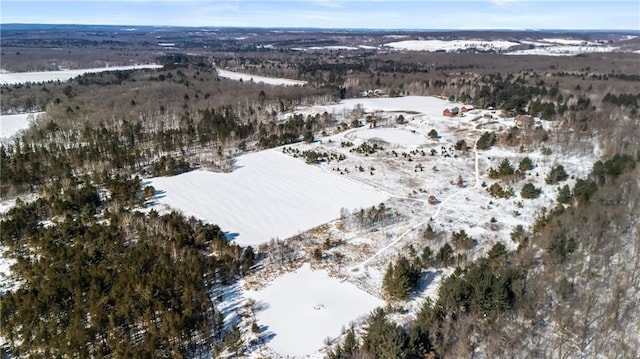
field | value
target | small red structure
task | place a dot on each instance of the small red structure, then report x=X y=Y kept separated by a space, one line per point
x=454 y=112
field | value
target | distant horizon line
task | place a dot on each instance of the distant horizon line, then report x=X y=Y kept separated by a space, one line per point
x=133 y=26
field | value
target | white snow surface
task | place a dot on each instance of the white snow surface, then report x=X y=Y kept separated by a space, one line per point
x=426 y=105
x=269 y=195
x=393 y=135
x=12 y=124
x=335 y=47
x=6 y=205
x=562 y=41
x=13 y=78
x=563 y=50
x=450 y=45
x=6 y=283
x=306 y=306
x=231 y=75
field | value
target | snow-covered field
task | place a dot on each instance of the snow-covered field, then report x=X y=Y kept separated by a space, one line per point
x=393 y=135
x=231 y=75
x=306 y=306
x=430 y=106
x=12 y=78
x=451 y=45
x=563 y=41
x=563 y=50
x=333 y=48
x=268 y=195
x=12 y=124
x=546 y=46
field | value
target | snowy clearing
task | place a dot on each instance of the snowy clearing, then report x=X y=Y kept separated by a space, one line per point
x=309 y=302
x=7 y=282
x=563 y=41
x=12 y=124
x=564 y=50
x=450 y=45
x=258 y=79
x=333 y=48
x=431 y=106
x=13 y=78
x=547 y=46
x=393 y=135
x=268 y=195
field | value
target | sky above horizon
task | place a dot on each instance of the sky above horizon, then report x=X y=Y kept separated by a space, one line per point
x=371 y=14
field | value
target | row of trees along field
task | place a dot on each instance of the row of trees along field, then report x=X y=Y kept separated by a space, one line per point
x=52 y=151
x=545 y=300
x=97 y=279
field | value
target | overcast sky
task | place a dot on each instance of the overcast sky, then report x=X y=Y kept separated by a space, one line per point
x=372 y=14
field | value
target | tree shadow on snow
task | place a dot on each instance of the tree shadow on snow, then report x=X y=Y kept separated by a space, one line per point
x=426 y=278
x=228 y=301
x=265 y=335
x=260 y=306
x=231 y=235
x=159 y=193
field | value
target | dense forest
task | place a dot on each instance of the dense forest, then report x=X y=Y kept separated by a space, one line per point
x=98 y=280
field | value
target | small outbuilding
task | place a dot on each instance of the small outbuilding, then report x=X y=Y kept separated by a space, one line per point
x=451 y=112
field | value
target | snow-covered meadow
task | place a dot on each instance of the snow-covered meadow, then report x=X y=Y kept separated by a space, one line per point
x=12 y=124
x=397 y=136
x=545 y=46
x=451 y=45
x=268 y=195
x=276 y=81
x=407 y=106
x=305 y=307
x=12 y=78
x=570 y=49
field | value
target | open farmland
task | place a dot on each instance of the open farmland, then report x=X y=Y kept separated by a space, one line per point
x=12 y=78
x=10 y=125
x=238 y=76
x=268 y=195
x=312 y=302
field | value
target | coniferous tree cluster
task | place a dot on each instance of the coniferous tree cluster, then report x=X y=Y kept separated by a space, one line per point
x=400 y=279
x=131 y=285
x=486 y=140
x=556 y=175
